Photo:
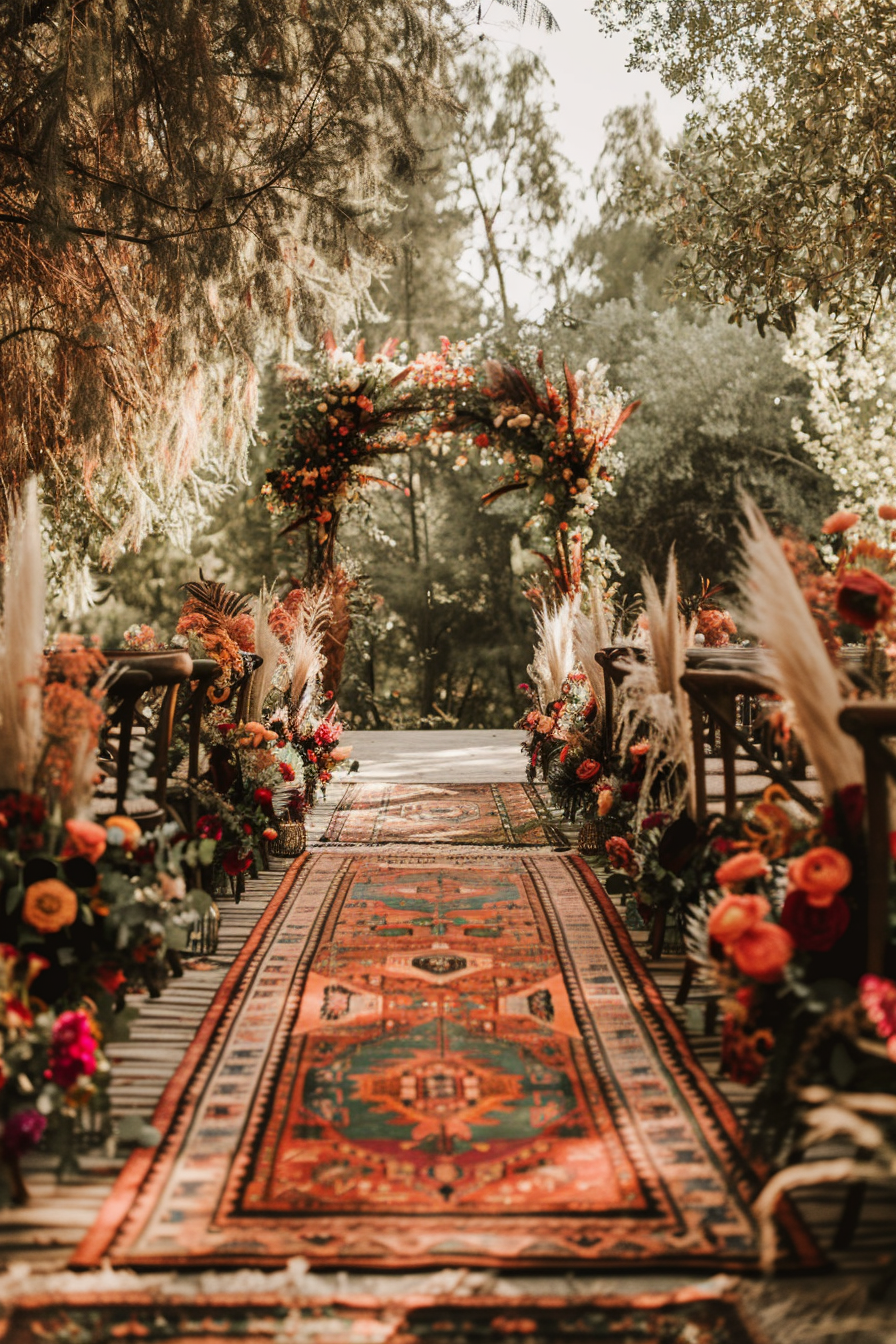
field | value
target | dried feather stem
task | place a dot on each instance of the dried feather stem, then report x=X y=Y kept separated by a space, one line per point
x=21 y=647
x=801 y=670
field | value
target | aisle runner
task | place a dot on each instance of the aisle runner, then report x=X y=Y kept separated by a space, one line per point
x=649 y=1318
x=509 y=815
x=442 y=1059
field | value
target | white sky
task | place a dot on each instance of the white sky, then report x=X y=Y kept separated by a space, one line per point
x=589 y=72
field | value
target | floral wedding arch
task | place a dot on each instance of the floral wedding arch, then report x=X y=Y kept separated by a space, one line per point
x=346 y=413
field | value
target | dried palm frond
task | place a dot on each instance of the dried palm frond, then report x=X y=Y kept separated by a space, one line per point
x=21 y=646
x=554 y=658
x=269 y=648
x=306 y=651
x=801 y=670
x=652 y=695
x=216 y=600
x=339 y=587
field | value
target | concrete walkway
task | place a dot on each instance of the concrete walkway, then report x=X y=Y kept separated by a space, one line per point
x=477 y=756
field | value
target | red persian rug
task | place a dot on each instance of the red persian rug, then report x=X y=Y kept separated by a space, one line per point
x=440 y=1059
x=648 y=1318
x=508 y=815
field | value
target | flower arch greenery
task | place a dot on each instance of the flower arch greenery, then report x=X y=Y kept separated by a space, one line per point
x=346 y=412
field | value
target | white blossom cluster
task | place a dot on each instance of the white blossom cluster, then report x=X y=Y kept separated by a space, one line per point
x=851 y=429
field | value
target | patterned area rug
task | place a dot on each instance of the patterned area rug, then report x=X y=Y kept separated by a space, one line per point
x=649 y=1319
x=440 y=1059
x=508 y=815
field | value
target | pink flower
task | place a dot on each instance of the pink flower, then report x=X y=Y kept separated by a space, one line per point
x=878 y=998
x=72 y=1048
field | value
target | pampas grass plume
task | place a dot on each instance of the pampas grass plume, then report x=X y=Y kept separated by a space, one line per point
x=21 y=646
x=801 y=670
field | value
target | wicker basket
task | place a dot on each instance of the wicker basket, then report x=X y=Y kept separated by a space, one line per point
x=591 y=839
x=594 y=834
x=291 y=839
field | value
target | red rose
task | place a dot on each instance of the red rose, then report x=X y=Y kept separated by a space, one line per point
x=864 y=598
x=234 y=862
x=287 y=772
x=814 y=928
x=264 y=798
x=588 y=770
x=653 y=820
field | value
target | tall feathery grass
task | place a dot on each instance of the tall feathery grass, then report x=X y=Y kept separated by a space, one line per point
x=653 y=698
x=306 y=651
x=21 y=646
x=590 y=634
x=554 y=657
x=268 y=647
x=801 y=670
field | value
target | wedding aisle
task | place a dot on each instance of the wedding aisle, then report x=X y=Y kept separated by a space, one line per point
x=447 y=1055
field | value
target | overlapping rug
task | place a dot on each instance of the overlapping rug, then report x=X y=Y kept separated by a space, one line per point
x=647 y=1319
x=434 y=1059
x=505 y=815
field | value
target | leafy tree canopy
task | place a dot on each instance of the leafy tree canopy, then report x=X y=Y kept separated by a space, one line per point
x=782 y=191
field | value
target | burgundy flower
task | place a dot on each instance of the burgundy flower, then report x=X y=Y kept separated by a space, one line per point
x=654 y=819
x=209 y=827
x=630 y=790
x=234 y=862
x=22 y=1131
x=814 y=928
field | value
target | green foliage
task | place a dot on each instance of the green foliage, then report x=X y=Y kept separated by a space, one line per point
x=781 y=191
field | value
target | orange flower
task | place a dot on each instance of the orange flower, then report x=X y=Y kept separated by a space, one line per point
x=129 y=828
x=741 y=868
x=841 y=521
x=887 y=512
x=864 y=598
x=639 y=748
x=763 y=952
x=269 y=833
x=735 y=916
x=86 y=840
x=589 y=769
x=605 y=800
x=49 y=905
x=820 y=873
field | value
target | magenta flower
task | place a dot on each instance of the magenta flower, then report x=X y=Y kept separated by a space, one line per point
x=73 y=1048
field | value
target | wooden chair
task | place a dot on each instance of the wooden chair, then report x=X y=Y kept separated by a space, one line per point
x=167 y=670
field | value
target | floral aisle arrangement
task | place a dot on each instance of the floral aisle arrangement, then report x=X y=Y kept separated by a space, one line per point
x=713 y=625
x=217 y=623
x=86 y=911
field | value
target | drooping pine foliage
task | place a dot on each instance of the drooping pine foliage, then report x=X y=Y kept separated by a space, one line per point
x=179 y=184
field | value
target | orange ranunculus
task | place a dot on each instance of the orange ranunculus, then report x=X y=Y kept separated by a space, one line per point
x=864 y=598
x=129 y=828
x=820 y=873
x=887 y=512
x=763 y=952
x=639 y=748
x=734 y=916
x=49 y=905
x=86 y=840
x=589 y=769
x=841 y=521
x=741 y=868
